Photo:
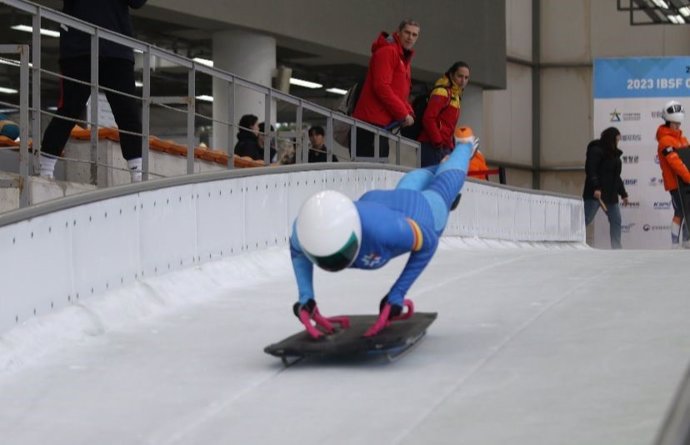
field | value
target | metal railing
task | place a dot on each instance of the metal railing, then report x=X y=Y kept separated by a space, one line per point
x=23 y=51
x=148 y=52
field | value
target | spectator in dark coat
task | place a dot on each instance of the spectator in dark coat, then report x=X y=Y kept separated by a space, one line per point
x=318 y=151
x=603 y=184
x=248 y=138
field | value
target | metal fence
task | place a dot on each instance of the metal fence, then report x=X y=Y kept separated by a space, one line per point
x=31 y=107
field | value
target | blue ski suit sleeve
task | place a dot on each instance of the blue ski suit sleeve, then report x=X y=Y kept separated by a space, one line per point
x=416 y=263
x=303 y=268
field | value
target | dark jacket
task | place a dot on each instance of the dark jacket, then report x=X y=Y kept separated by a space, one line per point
x=383 y=99
x=109 y=14
x=319 y=155
x=603 y=172
x=248 y=145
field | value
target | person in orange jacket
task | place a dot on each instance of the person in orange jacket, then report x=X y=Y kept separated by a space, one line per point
x=671 y=139
x=477 y=168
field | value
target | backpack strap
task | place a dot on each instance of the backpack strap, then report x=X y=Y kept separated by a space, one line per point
x=448 y=90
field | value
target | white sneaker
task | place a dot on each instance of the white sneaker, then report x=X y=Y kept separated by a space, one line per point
x=135 y=169
x=686 y=244
x=46 y=166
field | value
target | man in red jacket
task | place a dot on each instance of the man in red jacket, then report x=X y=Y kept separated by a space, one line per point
x=383 y=100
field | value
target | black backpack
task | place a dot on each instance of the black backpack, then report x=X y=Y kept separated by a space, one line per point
x=341 y=131
x=419 y=105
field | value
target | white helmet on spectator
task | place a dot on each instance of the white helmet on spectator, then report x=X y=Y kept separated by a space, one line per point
x=673 y=112
x=329 y=230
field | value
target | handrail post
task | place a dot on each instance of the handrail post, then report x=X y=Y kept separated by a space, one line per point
x=191 y=111
x=97 y=172
x=24 y=123
x=329 y=137
x=267 y=127
x=231 y=124
x=146 y=114
x=301 y=153
x=36 y=85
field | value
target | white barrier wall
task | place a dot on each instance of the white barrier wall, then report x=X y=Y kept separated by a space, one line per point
x=59 y=253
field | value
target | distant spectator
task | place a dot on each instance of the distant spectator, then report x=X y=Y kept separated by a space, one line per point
x=671 y=140
x=603 y=183
x=248 y=138
x=262 y=137
x=8 y=128
x=442 y=113
x=384 y=97
x=317 y=150
x=116 y=72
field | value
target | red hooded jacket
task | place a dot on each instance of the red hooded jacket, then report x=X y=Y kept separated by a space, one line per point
x=383 y=99
x=441 y=114
x=671 y=140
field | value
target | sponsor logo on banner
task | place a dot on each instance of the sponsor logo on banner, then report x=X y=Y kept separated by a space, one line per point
x=630 y=159
x=631 y=138
x=632 y=205
x=662 y=205
x=654 y=228
x=655 y=181
x=625 y=228
x=617 y=116
x=630 y=181
x=656 y=114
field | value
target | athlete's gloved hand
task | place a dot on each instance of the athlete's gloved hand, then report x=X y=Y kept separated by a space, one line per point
x=309 y=311
x=390 y=312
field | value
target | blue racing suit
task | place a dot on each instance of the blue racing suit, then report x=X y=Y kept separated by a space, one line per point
x=408 y=219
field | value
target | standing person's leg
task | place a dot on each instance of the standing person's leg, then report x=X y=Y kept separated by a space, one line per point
x=591 y=208
x=383 y=147
x=118 y=74
x=429 y=154
x=73 y=97
x=615 y=221
x=677 y=221
x=365 y=144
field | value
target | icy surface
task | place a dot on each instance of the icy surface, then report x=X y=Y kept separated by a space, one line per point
x=533 y=344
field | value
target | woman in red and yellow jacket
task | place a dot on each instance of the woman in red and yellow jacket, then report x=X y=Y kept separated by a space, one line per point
x=442 y=114
x=671 y=139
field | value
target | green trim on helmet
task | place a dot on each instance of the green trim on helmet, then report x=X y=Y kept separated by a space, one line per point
x=339 y=260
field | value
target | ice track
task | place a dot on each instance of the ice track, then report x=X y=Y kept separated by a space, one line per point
x=533 y=345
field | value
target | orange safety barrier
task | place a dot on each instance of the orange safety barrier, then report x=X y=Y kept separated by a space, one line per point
x=156 y=144
x=6 y=142
x=173 y=148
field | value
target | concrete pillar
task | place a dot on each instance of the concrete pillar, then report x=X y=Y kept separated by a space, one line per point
x=251 y=56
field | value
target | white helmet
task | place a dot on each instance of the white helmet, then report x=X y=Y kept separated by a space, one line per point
x=673 y=112
x=329 y=230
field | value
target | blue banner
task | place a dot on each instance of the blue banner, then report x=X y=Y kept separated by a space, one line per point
x=642 y=77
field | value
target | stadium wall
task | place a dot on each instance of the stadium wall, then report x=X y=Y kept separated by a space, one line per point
x=64 y=251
